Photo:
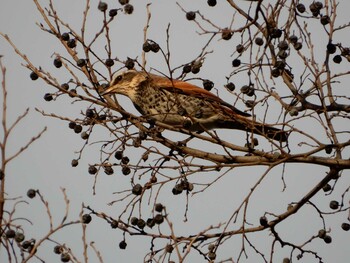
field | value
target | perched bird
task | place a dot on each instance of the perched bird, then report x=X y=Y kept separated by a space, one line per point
x=184 y=105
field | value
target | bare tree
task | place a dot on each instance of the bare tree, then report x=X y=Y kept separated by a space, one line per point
x=290 y=80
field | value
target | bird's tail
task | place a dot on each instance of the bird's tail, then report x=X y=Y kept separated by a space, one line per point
x=258 y=128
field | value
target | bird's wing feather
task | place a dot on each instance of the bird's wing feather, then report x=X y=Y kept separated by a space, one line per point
x=189 y=89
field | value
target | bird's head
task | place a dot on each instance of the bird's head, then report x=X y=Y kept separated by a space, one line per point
x=126 y=83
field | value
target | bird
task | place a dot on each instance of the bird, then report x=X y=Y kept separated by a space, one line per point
x=184 y=105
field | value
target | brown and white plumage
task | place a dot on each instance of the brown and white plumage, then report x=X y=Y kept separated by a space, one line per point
x=184 y=105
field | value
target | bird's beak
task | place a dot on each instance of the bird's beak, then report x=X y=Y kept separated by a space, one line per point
x=107 y=91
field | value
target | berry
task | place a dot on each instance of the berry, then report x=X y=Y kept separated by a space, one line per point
x=211 y=2
x=259 y=41
x=158 y=219
x=72 y=125
x=293 y=39
x=298 y=46
x=301 y=8
x=102 y=6
x=65 y=36
x=26 y=244
x=65 y=257
x=48 y=97
x=208 y=84
x=125 y=160
x=155 y=47
x=92 y=169
x=282 y=54
x=226 y=34
x=113 y=12
x=128 y=9
x=325 y=20
x=263 y=221
x=34 y=76
x=141 y=223
x=57 y=62
x=283 y=45
x=146 y=47
x=178 y=188
x=280 y=64
x=86 y=218
x=327 y=239
x=186 y=68
x=322 y=233
x=276 y=33
x=239 y=48
x=158 y=207
x=191 y=15
x=230 y=86
x=10 y=233
x=327 y=188
x=137 y=189
x=118 y=155
x=211 y=255
x=293 y=112
x=250 y=103
x=19 y=237
x=345 y=226
x=195 y=68
x=114 y=224
x=31 y=193
x=126 y=170
x=133 y=221
x=129 y=63
x=331 y=48
x=58 y=249
x=90 y=113
x=84 y=135
x=122 y=244
x=334 y=204
x=109 y=62
x=71 y=43
x=337 y=59
x=150 y=222
x=318 y=5
x=74 y=163
x=123 y=2
x=108 y=170
x=236 y=62
x=78 y=128
x=65 y=86
x=286 y=260
x=81 y=62
x=169 y=248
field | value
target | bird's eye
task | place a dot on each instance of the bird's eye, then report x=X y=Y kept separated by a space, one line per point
x=119 y=78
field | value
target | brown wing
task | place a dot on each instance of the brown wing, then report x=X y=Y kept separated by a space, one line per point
x=186 y=88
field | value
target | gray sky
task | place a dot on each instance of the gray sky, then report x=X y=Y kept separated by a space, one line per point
x=46 y=165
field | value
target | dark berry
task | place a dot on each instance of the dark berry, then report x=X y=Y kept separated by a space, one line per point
x=250 y=103
x=78 y=128
x=230 y=86
x=282 y=54
x=19 y=237
x=345 y=226
x=301 y=8
x=283 y=45
x=211 y=255
x=92 y=169
x=325 y=20
x=298 y=46
x=169 y=248
x=146 y=47
x=114 y=224
x=65 y=257
x=337 y=59
x=236 y=62
x=48 y=97
x=129 y=63
x=65 y=86
x=137 y=189
x=34 y=76
x=108 y=170
x=158 y=219
x=186 y=68
x=57 y=62
x=141 y=223
x=226 y=34
x=26 y=244
x=276 y=33
x=10 y=233
x=118 y=155
x=102 y=6
x=178 y=189
x=240 y=48
x=109 y=62
x=331 y=48
x=155 y=47
x=195 y=68
x=86 y=218
x=65 y=36
x=123 y=2
x=126 y=170
x=31 y=193
x=58 y=249
x=286 y=260
x=211 y=2
x=72 y=125
x=327 y=188
x=322 y=233
x=90 y=113
x=74 y=163
x=293 y=39
x=313 y=8
x=71 y=43
x=125 y=160
x=84 y=135
x=191 y=15
x=280 y=64
x=208 y=84
x=133 y=221
x=158 y=207
x=150 y=222
x=128 y=9
x=81 y=62
x=259 y=41
x=122 y=245
x=319 y=5
x=113 y=12
x=263 y=221
x=334 y=204
x=327 y=239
